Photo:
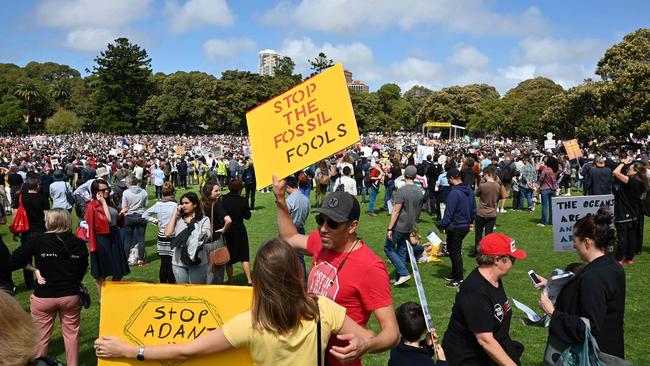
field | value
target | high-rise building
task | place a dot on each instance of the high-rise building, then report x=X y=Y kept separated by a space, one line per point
x=269 y=59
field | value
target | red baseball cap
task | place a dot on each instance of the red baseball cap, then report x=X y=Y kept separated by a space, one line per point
x=500 y=244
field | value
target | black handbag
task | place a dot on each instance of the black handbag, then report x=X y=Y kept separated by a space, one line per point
x=84 y=296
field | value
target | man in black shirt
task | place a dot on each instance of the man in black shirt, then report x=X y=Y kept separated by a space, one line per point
x=600 y=178
x=478 y=331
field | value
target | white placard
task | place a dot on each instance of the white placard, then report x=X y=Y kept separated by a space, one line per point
x=549 y=144
x=422 y=153
x=138 y=147
x=367 y=151
x=567 y=210
x=418 y=283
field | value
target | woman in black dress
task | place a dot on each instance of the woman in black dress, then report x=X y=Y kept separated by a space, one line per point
x=36 y=205
x=237 y=208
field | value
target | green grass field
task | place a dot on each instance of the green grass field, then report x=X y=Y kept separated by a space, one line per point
x=519 y=225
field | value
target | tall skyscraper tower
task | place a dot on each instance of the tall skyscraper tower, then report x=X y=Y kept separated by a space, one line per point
x=269 y=59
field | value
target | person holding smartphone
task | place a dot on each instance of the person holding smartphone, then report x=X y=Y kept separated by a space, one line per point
x=190 y=230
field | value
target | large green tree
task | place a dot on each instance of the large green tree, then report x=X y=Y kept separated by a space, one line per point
x=456 y=104
x=121 y=87
x=11 y=114
x=492 y=116
x=417 y=96
x=529 y=100
x=626 y=65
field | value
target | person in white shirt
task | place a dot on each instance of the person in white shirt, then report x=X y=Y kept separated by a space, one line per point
x=348 y=183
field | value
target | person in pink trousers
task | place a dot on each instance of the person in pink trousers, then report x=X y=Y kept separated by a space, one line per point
x=61 y=261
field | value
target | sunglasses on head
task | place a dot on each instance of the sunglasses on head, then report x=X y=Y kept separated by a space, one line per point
x=322 y=219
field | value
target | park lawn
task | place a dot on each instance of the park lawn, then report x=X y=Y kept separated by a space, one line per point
x=519 y=225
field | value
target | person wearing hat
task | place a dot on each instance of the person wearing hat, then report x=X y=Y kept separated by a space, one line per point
x=59 y=191
x=407 y=202
x=458 y=219
x=343 y=269
x=82 y=193
x=479 y=326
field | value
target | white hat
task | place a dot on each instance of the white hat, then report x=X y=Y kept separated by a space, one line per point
x=101 y=172
x=442 y=159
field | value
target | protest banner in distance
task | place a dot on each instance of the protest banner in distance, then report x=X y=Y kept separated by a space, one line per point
x=549 y=144
x=572 y=148
x=567 y=210
x=422 y=153
x=301 y=126
x=139 y=314
x=180 y=150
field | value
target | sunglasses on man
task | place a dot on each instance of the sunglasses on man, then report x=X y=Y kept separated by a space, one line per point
x=322 y=220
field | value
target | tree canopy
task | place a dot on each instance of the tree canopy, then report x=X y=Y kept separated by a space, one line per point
x=122 y=95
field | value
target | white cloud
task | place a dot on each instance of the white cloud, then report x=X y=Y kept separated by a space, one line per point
x=469 y=57
x=549 y=50
x=352 y=16
x=219 y=50
x=197 y=13
x=355 y=57
x=90 y=39
x=83 y=14
x=519 y=73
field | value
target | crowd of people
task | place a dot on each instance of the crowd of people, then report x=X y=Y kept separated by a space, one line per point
x=466 y=184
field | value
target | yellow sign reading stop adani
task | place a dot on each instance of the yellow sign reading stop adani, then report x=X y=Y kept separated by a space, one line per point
x=302 y=126
x=153 y=314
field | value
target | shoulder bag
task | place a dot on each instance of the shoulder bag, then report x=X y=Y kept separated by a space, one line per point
x=218 y=252
x=68 y=194
x=20 y=222
x=585 y=353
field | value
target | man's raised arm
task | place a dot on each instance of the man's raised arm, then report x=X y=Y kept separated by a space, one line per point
x=286 y=228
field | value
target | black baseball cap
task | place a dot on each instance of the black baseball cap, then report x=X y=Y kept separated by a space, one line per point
x=340 y=207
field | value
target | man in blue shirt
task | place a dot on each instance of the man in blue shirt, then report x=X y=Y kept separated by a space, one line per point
x=457 y=222
x=299 y=206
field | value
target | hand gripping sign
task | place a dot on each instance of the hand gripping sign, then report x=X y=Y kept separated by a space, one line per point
x=153 y=314
x=308 y=123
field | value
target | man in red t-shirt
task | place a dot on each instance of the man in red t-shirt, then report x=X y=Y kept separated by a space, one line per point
x=345 y=270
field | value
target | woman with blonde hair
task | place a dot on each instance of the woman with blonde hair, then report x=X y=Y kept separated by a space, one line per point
x=19 y=336
x=280 y=329
x=62 y=261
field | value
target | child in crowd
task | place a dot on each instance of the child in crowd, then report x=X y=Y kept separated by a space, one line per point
x=411 y=351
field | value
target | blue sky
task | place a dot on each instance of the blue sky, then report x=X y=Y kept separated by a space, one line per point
x=427 y=42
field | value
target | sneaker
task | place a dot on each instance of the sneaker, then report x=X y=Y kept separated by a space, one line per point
x=140 y=262
x=448 y=278
x=402 y=280
x=541 y=225
x=453 y=284
x=372 y=214
x=503 y=210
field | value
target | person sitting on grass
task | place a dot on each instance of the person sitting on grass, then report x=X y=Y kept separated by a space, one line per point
x=411 y=350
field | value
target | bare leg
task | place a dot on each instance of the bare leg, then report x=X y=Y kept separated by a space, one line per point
x=247 y=271
x=99 y=282
x=229 y=273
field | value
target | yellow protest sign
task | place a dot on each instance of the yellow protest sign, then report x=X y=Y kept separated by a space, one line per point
x=153 y=314
x=573 y=149
x=302 y=126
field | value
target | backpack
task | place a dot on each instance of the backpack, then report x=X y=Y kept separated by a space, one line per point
x=358 y=171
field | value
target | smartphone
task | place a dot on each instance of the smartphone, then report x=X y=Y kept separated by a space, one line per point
x=533 y=277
